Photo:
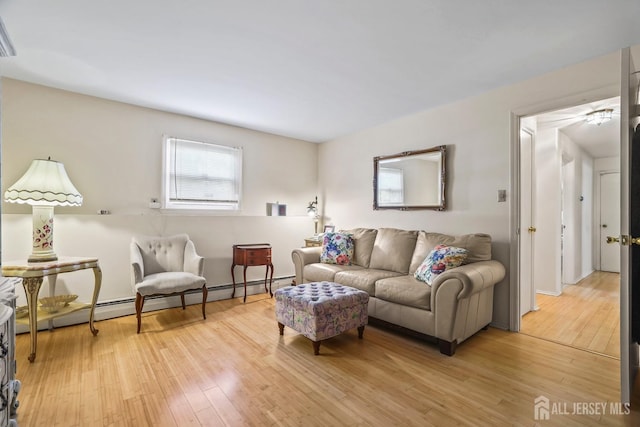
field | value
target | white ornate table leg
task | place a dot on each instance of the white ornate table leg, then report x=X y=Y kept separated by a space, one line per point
x=96 y=290
x=31 y=289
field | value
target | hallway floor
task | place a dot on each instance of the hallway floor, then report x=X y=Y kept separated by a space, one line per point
x=585 y=316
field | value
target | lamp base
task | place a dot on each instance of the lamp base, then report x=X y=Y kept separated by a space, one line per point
x=42 y=249
x=44 y=257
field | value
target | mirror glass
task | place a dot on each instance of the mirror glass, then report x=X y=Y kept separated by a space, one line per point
x=410 y=180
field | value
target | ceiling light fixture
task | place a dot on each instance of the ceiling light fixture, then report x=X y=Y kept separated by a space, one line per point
x=599 y=116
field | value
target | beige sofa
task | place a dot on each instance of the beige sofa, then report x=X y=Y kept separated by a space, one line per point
x=458 y=303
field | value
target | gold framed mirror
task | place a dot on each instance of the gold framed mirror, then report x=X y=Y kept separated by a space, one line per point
x=410 y=180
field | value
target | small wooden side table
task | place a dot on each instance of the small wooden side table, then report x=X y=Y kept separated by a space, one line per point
x=311 y=242
x=249 y=255
x=33 y=273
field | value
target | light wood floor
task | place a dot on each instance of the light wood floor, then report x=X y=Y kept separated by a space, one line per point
x=234 y=369
x=586 y=315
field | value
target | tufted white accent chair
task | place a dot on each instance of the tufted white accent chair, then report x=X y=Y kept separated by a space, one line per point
x=165 y=266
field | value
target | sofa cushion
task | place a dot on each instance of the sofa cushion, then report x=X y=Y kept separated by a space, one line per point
x=478 y=246
x=441 y=258
x=405 y=290
x=363 y=239
x=319 y=272
x=392 y=250
x=337 y=248
x=363 y=279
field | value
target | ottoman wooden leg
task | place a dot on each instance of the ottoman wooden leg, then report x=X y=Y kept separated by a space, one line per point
x=281 y=327
x=360 y=331
x=316 y=347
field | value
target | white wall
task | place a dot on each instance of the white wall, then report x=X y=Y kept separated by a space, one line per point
x=112 y=153
x=588 y=192
x=478 y=138
x=578 y=233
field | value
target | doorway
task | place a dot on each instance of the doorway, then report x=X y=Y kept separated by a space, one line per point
x=575 y=301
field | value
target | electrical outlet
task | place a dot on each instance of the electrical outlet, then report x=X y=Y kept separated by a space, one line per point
x=154 y=203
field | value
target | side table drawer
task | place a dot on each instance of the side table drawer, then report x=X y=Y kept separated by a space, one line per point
x=258 y=259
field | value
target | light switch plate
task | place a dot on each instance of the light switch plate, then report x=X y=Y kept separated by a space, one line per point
x=502 y=195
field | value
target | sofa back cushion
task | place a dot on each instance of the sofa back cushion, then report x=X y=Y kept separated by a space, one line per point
x=392 y=250
x=478 y=246
x=363 y=239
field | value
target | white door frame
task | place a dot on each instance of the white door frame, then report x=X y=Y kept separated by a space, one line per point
x=629 y=350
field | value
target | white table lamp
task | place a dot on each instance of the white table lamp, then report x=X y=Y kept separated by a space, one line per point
x=43 y=186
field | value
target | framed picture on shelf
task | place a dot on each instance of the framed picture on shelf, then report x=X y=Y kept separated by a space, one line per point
x=329 y=228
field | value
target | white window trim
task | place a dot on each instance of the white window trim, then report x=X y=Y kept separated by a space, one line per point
x=168 y=204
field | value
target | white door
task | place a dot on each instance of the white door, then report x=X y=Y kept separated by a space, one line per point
x=527 y=220
x=609 y=220
x=629 y=210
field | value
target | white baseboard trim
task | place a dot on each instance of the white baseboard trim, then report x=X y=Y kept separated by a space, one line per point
x=126 y=306
x=553 y=294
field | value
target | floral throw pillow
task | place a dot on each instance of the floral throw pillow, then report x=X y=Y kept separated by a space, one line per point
x=441 y=258
x=337 y=248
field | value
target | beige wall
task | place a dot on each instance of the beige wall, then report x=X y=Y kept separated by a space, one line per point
x=112 y=153
x=478 y=138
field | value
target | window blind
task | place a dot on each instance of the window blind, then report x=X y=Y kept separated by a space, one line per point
x=203 y=174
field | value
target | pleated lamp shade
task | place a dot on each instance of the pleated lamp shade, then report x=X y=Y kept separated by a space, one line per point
x=45 y=183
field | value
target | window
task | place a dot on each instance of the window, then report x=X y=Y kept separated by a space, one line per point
x=390 y=186
x=200 y=175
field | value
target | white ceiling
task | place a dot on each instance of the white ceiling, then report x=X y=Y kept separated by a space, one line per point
x=313 y=70
x=598 y=140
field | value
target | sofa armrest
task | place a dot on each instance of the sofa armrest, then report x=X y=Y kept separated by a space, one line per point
x=462 y=300
x=302 y=257
x=473 y=277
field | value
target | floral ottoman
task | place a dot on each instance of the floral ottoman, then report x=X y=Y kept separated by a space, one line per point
x=321 y=310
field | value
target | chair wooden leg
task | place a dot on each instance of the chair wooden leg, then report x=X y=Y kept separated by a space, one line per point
x=182 y=299
x=205 y=292
x=139 y=305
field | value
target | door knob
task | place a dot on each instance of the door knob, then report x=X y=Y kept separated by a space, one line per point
x=532 y=229
x=624 y=240
x=604 y=225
